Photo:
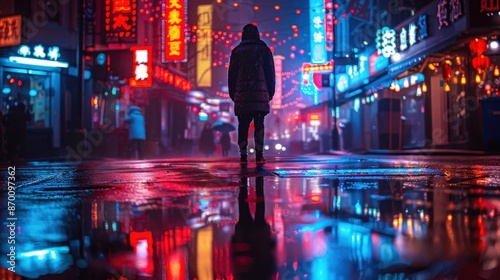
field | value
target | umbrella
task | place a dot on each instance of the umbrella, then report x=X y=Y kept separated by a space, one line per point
x=223 y=127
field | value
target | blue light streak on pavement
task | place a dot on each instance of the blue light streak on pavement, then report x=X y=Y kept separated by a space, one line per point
x=358 y=172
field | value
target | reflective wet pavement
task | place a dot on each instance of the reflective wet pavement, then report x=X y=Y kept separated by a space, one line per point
x=331 y=217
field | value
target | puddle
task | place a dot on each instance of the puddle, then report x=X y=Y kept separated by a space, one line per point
x=295 y=227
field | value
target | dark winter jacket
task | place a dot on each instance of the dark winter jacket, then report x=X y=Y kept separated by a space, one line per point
x=251 y=77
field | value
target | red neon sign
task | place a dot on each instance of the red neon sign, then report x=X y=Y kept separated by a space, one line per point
x=170 y=78
x=142 y=66
x=174 y=32
x=120 y=20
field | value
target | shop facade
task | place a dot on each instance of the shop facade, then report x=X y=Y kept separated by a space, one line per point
x=41 y=77
x=422 y=84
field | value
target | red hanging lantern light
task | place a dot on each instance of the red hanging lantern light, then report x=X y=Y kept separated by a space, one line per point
x=481 y=62
x=446 y=71
x=478 y=46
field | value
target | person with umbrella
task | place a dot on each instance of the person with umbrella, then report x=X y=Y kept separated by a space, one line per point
x=225 y=140
x=251 y=84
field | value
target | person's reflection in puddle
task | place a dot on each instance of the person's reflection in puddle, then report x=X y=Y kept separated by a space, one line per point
x=253 y=245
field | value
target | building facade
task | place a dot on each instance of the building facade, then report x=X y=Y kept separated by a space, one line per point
x=424 y=83
x=38 y=69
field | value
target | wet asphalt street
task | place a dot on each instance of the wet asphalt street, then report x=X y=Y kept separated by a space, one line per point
x=318 y=217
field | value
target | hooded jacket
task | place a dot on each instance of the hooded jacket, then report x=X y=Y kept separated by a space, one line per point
x=135 y=120
x=251 y=76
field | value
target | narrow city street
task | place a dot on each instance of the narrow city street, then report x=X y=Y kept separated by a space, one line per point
x=314 y=217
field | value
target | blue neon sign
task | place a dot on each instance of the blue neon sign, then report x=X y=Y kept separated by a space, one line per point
x=317 y=25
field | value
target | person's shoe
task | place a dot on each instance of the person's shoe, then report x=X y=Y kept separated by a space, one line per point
x=243 y=160
x=259 y=160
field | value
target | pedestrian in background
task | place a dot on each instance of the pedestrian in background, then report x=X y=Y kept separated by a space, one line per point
x=206 y=143
x=251 y=83
x=16 y=126
x=136 y=132
x=225 y=143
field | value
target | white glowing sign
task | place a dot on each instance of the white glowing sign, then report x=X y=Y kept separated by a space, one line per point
x=403 y=41
x=386 y=41
x=408 y=36
x=39 y=51
x=412 y=34
x=143 y=66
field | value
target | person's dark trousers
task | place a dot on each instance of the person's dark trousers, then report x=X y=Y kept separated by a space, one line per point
x=243 y=127
x=245 y=217
x=260 y=208
x=136 y=147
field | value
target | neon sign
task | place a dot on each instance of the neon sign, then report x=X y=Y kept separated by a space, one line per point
x=10 y=31
x=143 y=66
x=204 y=46
x=39 y=55
x=278 y=65
x=386 y=41
x=170 y=78
x=318 y=36
x=408 y=36
x=174 y=21
x=120 y=20
x=312 y=78
x=451 y=10
x=490 y=6
x=39 y=51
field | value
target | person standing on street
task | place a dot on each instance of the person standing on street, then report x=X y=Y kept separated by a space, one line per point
x=251 y=83
x=136 y=132
x=225 y=143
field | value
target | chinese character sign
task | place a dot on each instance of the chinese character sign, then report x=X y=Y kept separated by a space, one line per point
x=120 y=20
x=10 y=31
x=317 y=26
x=490 y=5
x=386 y=41
x=142 y=66
x=278 y=65
x=174 y=31
x=167 y=77
x=329 y=30
x=204 y=46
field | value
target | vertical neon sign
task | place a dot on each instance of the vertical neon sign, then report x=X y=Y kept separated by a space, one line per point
x=143 y=66
x=278 y=65
x=317 y=25
x=204 y=46
x=174 y=31
x=121 y=20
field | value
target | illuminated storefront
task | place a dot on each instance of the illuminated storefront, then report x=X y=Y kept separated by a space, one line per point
x=41 y=77
x=420 y=85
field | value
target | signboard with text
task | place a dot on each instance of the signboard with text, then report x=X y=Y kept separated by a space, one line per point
x=204 y=46
x=143 y=66
x=484 y=14
x=163 y=75
x=317 y=27
x=10 y=31
x=174 y=33
x=120 y=21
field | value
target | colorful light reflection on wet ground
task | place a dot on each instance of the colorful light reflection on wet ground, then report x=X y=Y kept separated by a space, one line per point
x=316 y=219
